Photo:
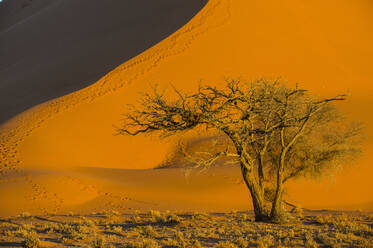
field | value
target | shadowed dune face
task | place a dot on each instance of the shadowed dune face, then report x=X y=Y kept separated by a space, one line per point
x=51 y=48
x=12 y=12
x=323 y=45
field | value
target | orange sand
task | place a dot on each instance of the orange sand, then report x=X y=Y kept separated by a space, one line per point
x=326 y=46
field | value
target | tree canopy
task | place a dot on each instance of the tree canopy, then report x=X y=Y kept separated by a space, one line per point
x=273 y=132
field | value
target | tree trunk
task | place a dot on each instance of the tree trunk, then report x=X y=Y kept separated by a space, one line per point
x=260 y=210
x=277 y=210
x=260 y=170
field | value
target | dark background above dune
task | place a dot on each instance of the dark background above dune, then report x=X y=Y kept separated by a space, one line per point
x=49 y=48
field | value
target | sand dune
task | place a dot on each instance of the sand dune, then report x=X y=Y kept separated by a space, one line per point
x=86 y=190
x=325 y=46
x=51 y=48
x=19 y=11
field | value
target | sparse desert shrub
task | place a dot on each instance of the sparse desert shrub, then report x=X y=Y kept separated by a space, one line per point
x=22 y=232
x=86 y=222
x=233 y=212
x=166 y=218
x=111 y=219
x=173 y=219
x=74 y=231
x=266 y=241
x=144 y=243
x=297 y=211
x=244 y=217
x=200 y=216
x=324 y=239
x=310 y=242
x=241 y=242
x=323 y=219
x=169 y=242
x=179 y=236
x=150 y=243
x=291 y=233
x=136 y=219
x=283 y=217
x=98 y=242
x=118 y=230
x=370 y=218
x=134 y=233
x=261 y=244
x=31 y=241
x=351 y=237
x=155 y=214
x=65 y=240
x=28 y=226
x=149 y=232
x=220 y=230
x=226 y=244
x=196 y=244
x=114 y=212
x=236 y=232
x=345 y=224
x=24 y=215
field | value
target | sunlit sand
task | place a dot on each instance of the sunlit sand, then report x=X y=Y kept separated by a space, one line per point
x=62 y=155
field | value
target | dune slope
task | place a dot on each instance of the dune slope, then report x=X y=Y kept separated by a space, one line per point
x=325 y=46
x=52 y=48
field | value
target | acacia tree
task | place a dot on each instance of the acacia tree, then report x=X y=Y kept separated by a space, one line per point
x=277 y=133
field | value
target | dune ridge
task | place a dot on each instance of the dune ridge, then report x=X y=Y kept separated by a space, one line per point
x=52 y=48
x=16 y=129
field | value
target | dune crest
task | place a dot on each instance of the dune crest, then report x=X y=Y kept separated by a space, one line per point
x=52 y=48
x=15 y=130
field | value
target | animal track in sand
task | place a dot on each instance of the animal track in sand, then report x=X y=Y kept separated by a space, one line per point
x=12 y=133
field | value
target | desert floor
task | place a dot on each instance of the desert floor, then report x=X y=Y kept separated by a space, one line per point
x=186 y=229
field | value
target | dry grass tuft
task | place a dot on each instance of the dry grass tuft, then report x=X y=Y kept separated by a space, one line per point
x=31 y=241
x=98 y=242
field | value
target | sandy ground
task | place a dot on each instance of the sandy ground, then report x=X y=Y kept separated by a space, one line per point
x=86 y=189
x=83 y=190
x=325 y=46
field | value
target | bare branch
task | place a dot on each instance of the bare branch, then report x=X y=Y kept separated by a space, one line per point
x=276 y=131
